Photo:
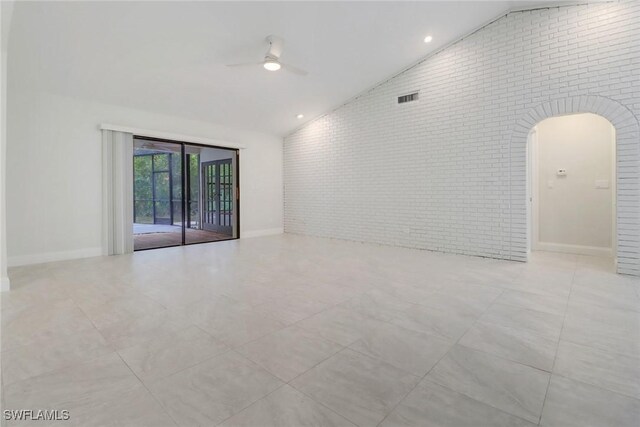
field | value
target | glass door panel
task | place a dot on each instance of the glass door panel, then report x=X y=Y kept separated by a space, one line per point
x=212 y=195
x=162 y=197
x=157 y=194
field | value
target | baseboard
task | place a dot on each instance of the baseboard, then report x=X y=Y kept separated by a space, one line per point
x=574 y=249
x=5 y=284
x=14 y=261
x=260 y=233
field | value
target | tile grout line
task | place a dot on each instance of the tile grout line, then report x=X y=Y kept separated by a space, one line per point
x=546 y=393
x=502 y=290
x=252 y=403
x=440 y=359
x=457 y=343
x=302 y=373
x=148 y=391
x=311 y=397
x=606 y=390
x=284 y=383
x=339 y=305
x=226 y=350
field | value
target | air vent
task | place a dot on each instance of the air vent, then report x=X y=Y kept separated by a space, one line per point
x=408 y=98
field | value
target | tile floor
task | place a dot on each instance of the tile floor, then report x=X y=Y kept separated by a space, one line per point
x=291 y=331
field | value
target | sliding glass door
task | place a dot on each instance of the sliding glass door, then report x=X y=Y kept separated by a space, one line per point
x=213 y=188
x=157 y=194
x=164 y=214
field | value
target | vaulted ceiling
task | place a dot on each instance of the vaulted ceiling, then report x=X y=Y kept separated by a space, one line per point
x=169 y=57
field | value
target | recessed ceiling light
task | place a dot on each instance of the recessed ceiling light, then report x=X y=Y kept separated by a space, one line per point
x=428 y=39
x=272 y=65
x=300 y=116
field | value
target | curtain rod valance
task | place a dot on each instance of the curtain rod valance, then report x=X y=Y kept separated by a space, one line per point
x=171 y=136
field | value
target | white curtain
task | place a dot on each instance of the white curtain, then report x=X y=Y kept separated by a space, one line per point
x=117 y=192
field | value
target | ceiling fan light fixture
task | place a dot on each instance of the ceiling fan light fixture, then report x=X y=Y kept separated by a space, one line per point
x=272 y=65
x=271 y=60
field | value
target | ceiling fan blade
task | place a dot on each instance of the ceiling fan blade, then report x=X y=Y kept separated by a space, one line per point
x=245 y=64
x=295 y=70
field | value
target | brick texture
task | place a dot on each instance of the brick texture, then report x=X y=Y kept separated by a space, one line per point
x=448 y=172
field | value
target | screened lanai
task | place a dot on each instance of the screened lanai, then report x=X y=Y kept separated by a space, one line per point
x=173 y=206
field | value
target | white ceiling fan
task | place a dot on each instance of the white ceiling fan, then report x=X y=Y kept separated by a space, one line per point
x=271 y=60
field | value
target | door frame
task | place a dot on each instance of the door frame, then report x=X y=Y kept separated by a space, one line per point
x=235 y=164
x=533 y=207
x=532 y=189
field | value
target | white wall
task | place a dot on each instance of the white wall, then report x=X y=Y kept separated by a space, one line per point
x=54 y=172
x=575 y=213
x=6 y=13
x=442 y=173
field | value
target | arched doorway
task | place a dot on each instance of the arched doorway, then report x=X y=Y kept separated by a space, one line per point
x=571 y=186
x=627 y=180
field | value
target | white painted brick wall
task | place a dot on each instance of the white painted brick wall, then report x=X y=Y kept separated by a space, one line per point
x=447 y=173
